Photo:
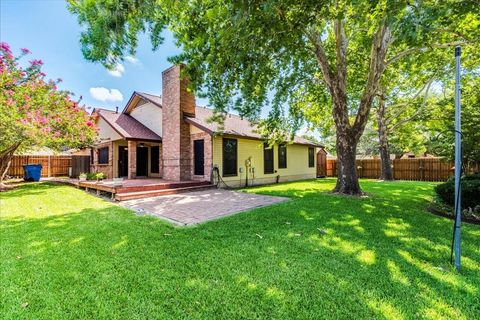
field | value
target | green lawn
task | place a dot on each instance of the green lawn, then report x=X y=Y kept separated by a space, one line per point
x=66 y=254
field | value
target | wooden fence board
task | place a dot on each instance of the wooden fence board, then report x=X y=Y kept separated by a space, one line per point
x=52 y=166
x=80 y=164
x=420 y=169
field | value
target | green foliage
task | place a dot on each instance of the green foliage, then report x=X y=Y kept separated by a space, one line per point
x=246 y=56
x=442 y=125
x=68 y=254
x=95 y=176
x=470 y=185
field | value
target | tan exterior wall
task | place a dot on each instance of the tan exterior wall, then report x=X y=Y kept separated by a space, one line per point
x=150 y=116
x=297 y=162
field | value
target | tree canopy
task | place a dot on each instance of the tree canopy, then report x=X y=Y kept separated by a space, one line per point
x=286 y=55
x=34 y=113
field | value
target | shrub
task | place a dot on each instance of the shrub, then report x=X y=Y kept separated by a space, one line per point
x=470 y=187
x=92 y=176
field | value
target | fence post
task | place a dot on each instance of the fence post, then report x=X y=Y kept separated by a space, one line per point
x=422 y=171
x=49 y=166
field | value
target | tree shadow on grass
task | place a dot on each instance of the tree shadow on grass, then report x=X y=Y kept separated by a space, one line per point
x=317 y=256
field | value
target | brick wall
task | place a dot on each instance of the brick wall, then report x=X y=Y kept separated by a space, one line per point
x=207 y=145
x=176 y=144
x=106 y=169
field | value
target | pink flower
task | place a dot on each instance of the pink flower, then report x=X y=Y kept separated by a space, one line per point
x=27 y=97
x=36 y=62
x=25 y=51
x=90 y=123
x=5 y=47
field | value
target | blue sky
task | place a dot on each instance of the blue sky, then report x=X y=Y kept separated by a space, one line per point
x=48 y=29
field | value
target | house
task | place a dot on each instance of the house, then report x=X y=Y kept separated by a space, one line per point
x=170 y=137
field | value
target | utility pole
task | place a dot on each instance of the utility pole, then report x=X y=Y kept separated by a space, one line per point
x=458 y=160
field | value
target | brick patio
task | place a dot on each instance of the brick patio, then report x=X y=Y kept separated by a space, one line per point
x=200 y=206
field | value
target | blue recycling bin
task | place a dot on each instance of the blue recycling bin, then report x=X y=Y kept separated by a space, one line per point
x=33 y=172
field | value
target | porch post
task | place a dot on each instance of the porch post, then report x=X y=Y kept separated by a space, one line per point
x=160 y=161
x=132 y=159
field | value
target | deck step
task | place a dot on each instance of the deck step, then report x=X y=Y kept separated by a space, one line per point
x=163 y=186
x=156 y=193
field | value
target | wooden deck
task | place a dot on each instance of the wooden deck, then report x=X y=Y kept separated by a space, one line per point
x=129 y=189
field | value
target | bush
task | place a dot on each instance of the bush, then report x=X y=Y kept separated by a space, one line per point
x=92 y=176
x=470 y=186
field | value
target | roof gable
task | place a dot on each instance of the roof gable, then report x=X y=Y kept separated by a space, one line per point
x=127 y=126
x=140 y=98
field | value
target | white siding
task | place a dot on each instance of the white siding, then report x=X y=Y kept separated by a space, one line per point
x=150 y=116
x=106 y=132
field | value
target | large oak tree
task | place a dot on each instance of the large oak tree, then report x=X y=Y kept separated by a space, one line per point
x=280 y=53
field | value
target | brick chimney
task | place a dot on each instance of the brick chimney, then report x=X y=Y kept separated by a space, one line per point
x=176 y=102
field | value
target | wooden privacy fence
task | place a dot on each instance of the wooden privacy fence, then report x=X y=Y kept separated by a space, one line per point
x=52 y=166
x=421 y=169
x=80 y=164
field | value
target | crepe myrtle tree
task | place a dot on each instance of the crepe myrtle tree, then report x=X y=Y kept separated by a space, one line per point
x=34 y=113
x=247 y=55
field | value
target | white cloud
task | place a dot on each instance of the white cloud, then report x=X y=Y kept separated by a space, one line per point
x=132 y=60
x=104 y=94
x=118 y=70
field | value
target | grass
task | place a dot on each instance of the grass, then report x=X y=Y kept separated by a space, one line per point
x=66 y=254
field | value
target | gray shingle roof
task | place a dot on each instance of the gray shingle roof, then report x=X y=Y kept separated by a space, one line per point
x=233 y=125
x=127 y=126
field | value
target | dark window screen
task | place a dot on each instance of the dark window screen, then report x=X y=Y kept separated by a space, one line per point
x=282 y=156
x=103 y=155
x=229 y=157
x=154 y=158
x=311 y=157
x=267 y=159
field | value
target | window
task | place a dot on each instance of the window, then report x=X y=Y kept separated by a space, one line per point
x=229 y=157
x=282 y=156
x=267 y=159
x=154 y=158
x=198 y=157
x=311 y=157
x=103 y=155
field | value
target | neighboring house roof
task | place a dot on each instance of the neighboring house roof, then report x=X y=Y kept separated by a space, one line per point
x=127 y=126
x=233 y=125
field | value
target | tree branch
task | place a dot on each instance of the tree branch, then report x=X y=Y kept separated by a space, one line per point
x=377 y=66
x=406 y=52
x=321 y=57
x=419 y=110
x=407 y=103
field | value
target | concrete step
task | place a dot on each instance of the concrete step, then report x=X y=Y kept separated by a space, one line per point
x=156 y=193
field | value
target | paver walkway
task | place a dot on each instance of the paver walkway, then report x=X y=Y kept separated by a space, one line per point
x=200 y=206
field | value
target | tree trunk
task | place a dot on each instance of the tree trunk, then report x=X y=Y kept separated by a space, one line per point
x=5 y=160
x=347 y=182
x=386 y=172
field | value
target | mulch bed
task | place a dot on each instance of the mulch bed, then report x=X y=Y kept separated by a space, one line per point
x=441 y=213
